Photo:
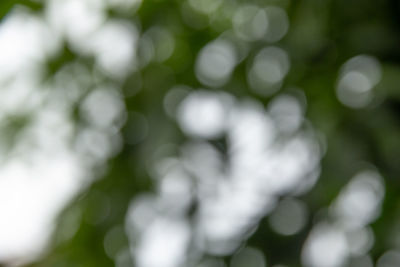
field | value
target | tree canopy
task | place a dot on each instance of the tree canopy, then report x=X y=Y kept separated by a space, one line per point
x=200 y=133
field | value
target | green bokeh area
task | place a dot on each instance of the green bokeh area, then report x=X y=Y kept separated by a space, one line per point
x=322 y=36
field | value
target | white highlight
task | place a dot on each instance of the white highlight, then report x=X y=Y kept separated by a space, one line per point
x=215 y=63
x=267 y=70
x=358 y=77
x=325 y=247
x=204 y=114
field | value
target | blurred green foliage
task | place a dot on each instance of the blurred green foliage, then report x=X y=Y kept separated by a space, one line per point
x=322 y=36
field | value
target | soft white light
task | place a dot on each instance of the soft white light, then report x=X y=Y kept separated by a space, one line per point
x=358 y=76
x=360 y=240
x=289 y=217
x=203 y=114
x=287 y=113
x=36 y=183
x=103 y=108
x=25 y=41
x=267 y=70
x=278 y=24
x=236 y=183
x=163 y=244
x=250 y=22
x=359 y=202
x=141 y=213
x=75 y=19
x=215 y=63
x=114 y=46
x=391 y=258
x=325 y=247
